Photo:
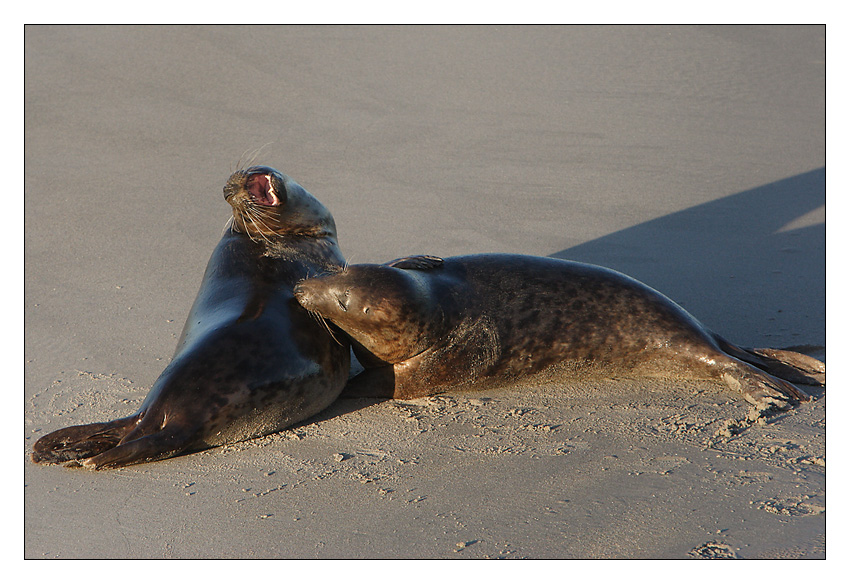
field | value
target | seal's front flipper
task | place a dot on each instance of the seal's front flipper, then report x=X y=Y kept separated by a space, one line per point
x=77 y=442
x=162 y=444
x=423 y=262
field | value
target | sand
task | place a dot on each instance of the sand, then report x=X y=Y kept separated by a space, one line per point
x=692 y=158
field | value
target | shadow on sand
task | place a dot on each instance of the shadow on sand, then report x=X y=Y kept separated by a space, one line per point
x=751 y=266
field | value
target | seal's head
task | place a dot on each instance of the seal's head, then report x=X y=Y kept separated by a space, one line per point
x=268 y=204
x=388 y=311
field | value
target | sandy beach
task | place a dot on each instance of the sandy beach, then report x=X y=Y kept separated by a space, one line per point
x=692 y=158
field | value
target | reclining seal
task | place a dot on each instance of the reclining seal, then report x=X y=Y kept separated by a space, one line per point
x=424 y=325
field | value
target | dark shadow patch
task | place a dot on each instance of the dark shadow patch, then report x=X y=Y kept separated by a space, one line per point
x=738 y=264
x=340 y=407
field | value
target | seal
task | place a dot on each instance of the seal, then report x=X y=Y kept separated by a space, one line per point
x=424 y=325
x=250 y=360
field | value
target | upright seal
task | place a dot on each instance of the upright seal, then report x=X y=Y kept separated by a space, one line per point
x=425 y=325
x=250 y=360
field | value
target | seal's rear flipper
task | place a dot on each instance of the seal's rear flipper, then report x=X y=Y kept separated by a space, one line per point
x=793 y=366
x=761 y=389
x=788 y=365
x=77 y=442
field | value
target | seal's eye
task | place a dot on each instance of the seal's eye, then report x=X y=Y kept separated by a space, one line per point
x=343 y=300
x=365 y=310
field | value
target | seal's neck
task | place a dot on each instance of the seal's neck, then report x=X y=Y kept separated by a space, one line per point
x=321 y=251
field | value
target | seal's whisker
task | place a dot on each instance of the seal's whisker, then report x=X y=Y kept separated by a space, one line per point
x=258 y=151
x=249 y=159
x=307 y=275
x=239 y=165
x=244 y=228
x=322 y=321
x=246 y=217
x=249 y=216
x=259 y=223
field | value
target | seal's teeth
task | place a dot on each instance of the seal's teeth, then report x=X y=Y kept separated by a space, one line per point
x=272 y=196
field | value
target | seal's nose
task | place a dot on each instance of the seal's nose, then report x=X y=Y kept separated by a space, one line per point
x=234 y=183
x=301 y=294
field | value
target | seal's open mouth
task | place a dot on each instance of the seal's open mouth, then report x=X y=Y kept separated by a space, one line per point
x=261 y=189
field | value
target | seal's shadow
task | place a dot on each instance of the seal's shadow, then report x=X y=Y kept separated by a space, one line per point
x=345 y=403
x=342 y=406
x=751 y=266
